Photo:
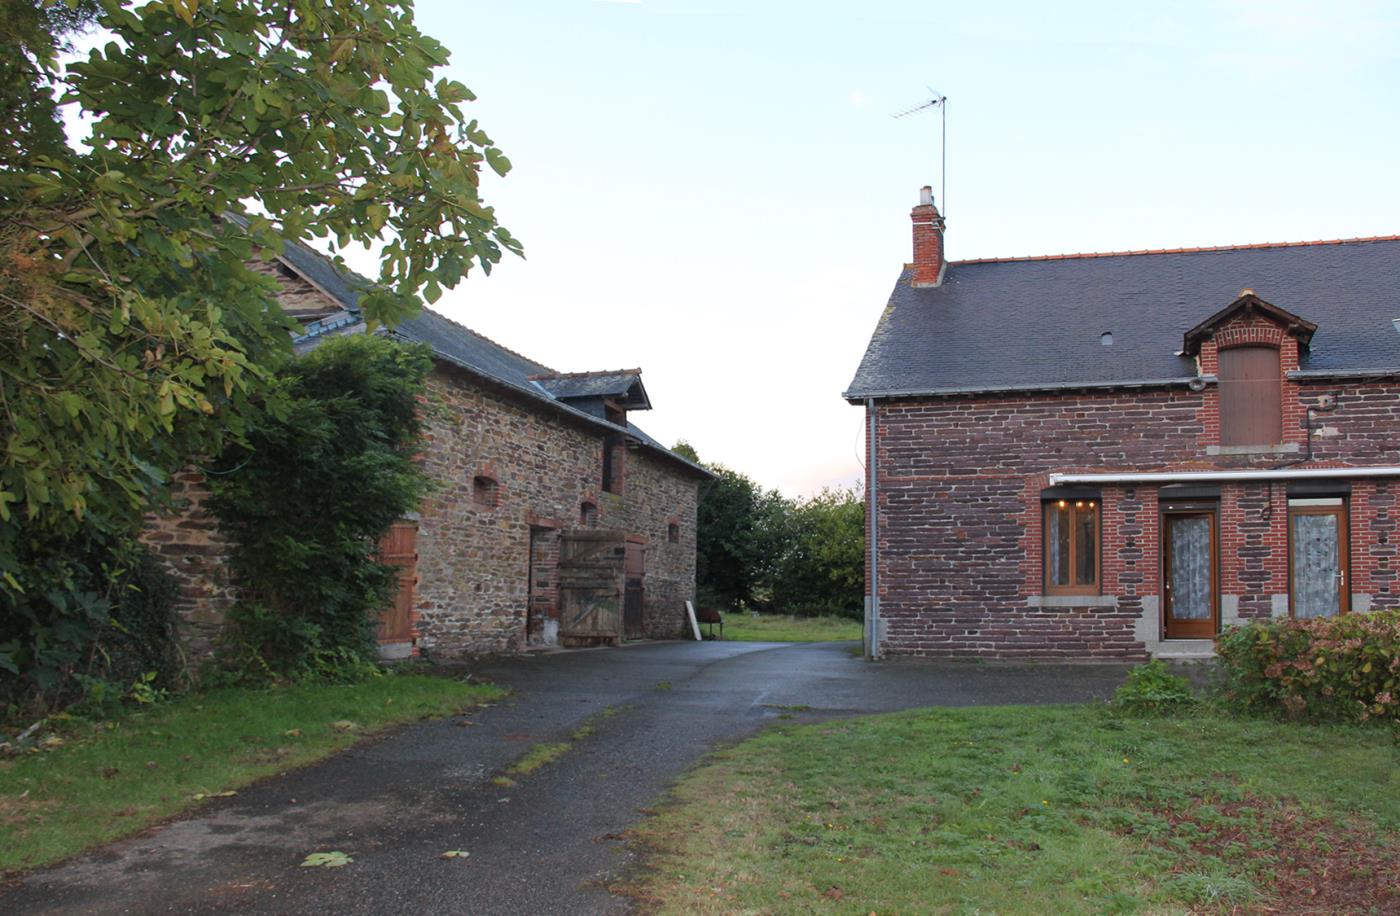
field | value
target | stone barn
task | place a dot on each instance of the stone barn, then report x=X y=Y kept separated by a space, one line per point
x=555 y=519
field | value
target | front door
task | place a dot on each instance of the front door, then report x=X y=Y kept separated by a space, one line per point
x=1317 y=557
x=1189 y=576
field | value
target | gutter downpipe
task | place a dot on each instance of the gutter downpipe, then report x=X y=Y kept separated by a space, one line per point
x=1193 y=476
x=872 y=601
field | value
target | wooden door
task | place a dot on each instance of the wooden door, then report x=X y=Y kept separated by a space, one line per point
x=633 y=596
x=1190 y=574
x=1317 y=557
x=399 y=547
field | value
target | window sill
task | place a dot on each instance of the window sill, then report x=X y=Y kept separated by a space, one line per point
x=1287 y=448
x=1072 y=601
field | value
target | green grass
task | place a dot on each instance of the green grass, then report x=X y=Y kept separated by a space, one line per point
x=1032 y=810
x=785 y=628
x=115 y=778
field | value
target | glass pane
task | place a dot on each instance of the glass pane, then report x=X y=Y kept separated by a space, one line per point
x=1316 y=566
x=1086 y=543
x=1057 y=543
x=1190 y=567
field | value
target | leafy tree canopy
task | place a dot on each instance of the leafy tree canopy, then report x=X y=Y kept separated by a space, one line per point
x=132 y=333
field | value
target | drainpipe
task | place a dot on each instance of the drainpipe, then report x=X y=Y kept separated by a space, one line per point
x=872 y=609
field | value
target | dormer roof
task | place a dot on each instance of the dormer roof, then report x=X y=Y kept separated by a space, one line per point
x=1248 y=303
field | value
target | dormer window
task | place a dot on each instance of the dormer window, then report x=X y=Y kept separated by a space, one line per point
x=1251 y=396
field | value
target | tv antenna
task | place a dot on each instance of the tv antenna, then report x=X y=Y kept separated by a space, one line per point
x=939 y=101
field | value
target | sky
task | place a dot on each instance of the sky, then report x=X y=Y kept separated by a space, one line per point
x=716 y=191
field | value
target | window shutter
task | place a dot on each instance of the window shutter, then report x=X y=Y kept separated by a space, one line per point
x=1251 y=408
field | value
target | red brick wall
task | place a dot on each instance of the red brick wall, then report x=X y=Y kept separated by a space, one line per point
x=959 y=508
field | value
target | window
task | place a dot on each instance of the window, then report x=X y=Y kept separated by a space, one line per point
x=1072 y=547
x=613 y=451
x=1251 y=390
x=484 y=491
x=673 y=533
x=588 y=514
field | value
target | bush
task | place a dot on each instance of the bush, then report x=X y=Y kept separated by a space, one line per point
x=1345 y=667
x=88 y=616
x=306 y=503
x=1152 y=689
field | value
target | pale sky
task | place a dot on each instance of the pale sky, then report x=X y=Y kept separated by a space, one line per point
x=717 y=192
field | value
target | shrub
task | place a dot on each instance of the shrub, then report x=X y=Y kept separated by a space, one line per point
x=1345 y=667
x=1153 y=689
x=307 y=501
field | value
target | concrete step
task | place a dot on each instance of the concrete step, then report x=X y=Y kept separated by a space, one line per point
x=1184 y=649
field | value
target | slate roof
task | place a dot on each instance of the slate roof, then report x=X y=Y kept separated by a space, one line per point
x=1036 y=323
x=624 y=385
x=452 y=343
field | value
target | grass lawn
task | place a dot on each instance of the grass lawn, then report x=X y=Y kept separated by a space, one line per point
x=784 y=628
x=1034 y=810
x=112 y=779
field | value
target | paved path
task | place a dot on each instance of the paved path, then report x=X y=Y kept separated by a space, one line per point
x=545 y=845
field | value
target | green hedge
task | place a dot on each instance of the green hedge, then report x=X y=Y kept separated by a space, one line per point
x=1345 y=667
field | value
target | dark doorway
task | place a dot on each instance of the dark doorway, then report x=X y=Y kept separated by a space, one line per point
x=633 y=596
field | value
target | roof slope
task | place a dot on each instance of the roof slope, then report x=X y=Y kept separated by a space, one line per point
x=1021 y=324
x=451 y=342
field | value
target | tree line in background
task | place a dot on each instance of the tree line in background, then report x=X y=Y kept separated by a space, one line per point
x=756 y=549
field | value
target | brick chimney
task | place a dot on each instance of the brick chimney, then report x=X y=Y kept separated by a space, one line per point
x=928 y=240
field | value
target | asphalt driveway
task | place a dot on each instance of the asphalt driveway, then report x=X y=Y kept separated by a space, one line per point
x=549 y=843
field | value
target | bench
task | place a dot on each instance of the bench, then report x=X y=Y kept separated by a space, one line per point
x=710 y=617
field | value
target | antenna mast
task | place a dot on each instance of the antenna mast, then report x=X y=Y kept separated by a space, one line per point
x=939 y=101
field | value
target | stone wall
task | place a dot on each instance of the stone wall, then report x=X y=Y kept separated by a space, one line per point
x=188 y=541
x=960 y=481
x=474 y=557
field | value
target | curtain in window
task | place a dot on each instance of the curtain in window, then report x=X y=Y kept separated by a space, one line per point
x=1316 y=563
x=1190 y=567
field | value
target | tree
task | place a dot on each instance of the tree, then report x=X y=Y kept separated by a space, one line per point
x=822 y=571
x=133 y=334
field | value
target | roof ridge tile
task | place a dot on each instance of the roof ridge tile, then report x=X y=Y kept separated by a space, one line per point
x=1204 y=249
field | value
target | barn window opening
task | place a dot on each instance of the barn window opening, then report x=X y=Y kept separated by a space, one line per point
x=673 y=533
x=588 y=515
x=1072 y=547
x=1251 y=396
x=484 y=491
x=613 y=452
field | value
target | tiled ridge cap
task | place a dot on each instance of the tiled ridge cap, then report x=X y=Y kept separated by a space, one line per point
x=551 y=376
x=1199 y=250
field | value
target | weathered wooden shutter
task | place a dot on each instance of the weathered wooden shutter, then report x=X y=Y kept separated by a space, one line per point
x=1251 y=410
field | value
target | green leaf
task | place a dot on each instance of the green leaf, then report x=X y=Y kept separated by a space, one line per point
x=326 y=860
x=498 y=161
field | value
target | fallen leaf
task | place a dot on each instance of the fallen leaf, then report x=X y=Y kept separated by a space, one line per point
x=201 y=796
x=465 y=724
x=833 y=893
x=326 y=860
x=454 y=854
x=344 y=725
x=292 y=733
x=152 y=765
x=52 y=741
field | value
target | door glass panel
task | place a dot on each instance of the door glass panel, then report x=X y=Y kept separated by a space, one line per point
x=1316 y=565
x=1086 y=542
x=1190 y=567
x=1057 y=541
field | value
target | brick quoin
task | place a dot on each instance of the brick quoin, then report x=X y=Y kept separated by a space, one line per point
x=959 y=514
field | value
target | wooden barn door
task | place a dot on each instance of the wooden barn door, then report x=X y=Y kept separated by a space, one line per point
x=633 y=597
x=399 y=547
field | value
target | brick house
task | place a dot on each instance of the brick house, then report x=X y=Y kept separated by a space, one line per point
x=1117 y=455
x=555 y=519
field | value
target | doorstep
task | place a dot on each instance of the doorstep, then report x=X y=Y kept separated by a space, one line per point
x=1184 y=649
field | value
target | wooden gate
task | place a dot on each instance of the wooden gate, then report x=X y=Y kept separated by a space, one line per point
x=397 y=634
x=633 y=598
x=590 y=587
